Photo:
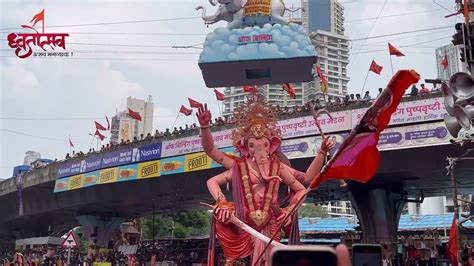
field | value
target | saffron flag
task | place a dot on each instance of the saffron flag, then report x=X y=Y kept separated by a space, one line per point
x=358 y=157
x=38 y=17
x=108 y=123
x=453 y=243
x=394 y=50
x=252 y=89
x=134 y=115
x=324 y=82
x=194 y=104
x=185 y=111
x=444 y=62
x=375 y=68
x=97 y=133
x=99 y=126
x=70 y=143
x=219 y=95
x=291 y=91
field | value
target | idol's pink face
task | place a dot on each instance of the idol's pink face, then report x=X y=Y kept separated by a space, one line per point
x=259 y=149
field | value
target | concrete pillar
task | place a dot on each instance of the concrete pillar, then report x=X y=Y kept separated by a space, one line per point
x=378 y=210
x=99 y=229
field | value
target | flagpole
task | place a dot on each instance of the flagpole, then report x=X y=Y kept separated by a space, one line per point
x=391 y=64
x=70 y=150
x=218 y=106
x=174 y=123
x=365 y=81
x=92 y=142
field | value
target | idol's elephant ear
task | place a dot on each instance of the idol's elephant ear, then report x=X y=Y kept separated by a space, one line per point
x=275 y=143
x=241 y=146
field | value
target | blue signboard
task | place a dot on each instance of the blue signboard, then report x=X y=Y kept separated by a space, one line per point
x=91 y=163
x=149 y=153
x=69 y=169
x=111 y=159
x=117 y=158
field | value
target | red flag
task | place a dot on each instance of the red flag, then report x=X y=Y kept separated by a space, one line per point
x=444 y=62
x=194 y=104
x=97 y=133
x=108 y=123
x=291 y=91
x=375 y=68
x=38 y=17
x=324 y=82
x=70 y=143
x=453 y=243
x=134 y=115
x=185 y=111
x=252 y=89
x=219 y=95
x=358 y=157
x=99 y=126
x=394 y=50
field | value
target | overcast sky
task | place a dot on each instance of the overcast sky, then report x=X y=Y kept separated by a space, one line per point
x=44 y=100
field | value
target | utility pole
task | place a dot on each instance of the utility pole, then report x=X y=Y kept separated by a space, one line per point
x=451 y=166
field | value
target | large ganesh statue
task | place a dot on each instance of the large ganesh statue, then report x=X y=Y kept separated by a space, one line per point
x=256 y=177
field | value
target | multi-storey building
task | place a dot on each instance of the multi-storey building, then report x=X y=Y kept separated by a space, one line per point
x=126 y=128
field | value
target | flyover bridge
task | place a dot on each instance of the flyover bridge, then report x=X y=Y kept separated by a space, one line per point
x=100 y=190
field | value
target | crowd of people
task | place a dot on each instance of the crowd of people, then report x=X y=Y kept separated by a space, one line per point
x=332 y=103
x=146 y=254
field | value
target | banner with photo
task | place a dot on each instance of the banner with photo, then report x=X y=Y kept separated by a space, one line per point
x=61 y=185
x=127 y=172
x=91 y=179
x=172 y=165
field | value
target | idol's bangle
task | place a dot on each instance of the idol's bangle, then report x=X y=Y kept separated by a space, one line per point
x=322 y=152
x=206 y=126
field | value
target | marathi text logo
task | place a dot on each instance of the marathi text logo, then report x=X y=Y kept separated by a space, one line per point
x=22 y=42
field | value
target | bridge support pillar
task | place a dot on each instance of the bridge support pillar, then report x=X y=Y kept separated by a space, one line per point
x=378 y=210
x=98 y=228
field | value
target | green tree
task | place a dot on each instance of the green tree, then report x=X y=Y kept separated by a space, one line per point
x=185 y=224
x=311 y=210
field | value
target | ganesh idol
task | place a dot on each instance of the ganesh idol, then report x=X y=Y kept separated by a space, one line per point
x=256 y=177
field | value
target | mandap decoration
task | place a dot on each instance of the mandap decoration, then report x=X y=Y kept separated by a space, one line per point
x=258 y=46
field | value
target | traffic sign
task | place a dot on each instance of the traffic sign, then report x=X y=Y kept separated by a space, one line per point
x=70 y=241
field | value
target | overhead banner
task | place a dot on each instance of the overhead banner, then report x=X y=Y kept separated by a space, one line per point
x=127 y=172
x=76 y=182
x=149 y=169
x=61 y=185
x=172 y=165
x=110 y=159
x=107 y=176
x=414 y=136
x=91 y=179
x=305 y=126
x=193 y=144
x=197 y=161
x=411 y=112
